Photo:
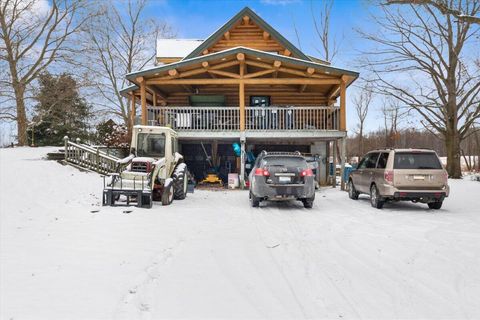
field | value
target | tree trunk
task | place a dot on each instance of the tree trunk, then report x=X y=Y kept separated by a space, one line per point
x=452 y=144
x=21 y=115
x=361 y=140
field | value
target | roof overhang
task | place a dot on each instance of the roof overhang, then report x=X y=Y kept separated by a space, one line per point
x=319 y=67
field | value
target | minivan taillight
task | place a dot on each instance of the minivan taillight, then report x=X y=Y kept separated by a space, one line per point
x=388 y=176
x=445 y=177
x=262 y=172
x=307 y=173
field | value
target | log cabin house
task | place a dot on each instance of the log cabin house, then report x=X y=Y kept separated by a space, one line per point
x=244 y=84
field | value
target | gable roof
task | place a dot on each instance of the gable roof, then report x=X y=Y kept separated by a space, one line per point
x=306 y=63
x=217 y=35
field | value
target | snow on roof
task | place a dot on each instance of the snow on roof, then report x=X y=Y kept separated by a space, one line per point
x=170 y=48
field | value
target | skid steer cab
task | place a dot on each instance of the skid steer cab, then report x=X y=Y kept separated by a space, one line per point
x=155 y=170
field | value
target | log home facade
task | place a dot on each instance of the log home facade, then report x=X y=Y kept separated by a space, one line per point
x=245 y=83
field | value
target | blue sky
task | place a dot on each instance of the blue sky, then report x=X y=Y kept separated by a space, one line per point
x=198 y=19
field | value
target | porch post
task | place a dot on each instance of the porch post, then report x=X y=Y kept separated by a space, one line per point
x=242 y=163
x=143 y=99
x=133 y=111
x=241 y=98
x=343 y=104
x=334 y=164
x=342 y=162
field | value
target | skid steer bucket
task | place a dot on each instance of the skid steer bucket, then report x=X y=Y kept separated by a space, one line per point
x=134 y=191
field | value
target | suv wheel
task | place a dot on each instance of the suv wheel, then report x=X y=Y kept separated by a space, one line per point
x=254 y=201
x=308 y=203
x=435 y=205
x=352 y=192
x=375 y=198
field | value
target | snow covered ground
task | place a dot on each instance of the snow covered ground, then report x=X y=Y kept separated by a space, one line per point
x=63 y=256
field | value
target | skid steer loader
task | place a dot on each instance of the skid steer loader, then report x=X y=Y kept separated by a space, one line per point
x=155 y=171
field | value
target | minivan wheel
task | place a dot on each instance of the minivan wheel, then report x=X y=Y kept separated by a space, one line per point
x=375 y=199
x=352 y=192
x=435 y=205
x=254 y=201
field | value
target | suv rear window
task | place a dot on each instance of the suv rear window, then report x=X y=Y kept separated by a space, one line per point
x=284 y=161
x=420 y=160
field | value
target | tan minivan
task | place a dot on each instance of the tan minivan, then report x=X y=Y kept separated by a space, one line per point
x=400 y=174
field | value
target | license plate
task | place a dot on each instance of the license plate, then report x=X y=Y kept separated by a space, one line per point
x=283 y=179
x=418 y=177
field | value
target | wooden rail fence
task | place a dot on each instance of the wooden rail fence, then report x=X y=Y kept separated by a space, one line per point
x=91 y=158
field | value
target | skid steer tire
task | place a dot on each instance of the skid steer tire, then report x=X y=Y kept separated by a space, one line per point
x=180 y=182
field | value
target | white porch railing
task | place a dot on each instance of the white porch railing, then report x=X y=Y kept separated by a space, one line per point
x=196 y=118
x=291 y=118
x=256 y=118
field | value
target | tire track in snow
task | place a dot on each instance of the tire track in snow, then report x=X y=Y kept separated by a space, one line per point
x=277 y=265
x=138 y=301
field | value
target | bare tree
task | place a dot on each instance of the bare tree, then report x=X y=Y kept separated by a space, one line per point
x=444 y=6
x=362 y=102
x=32 y=37
x=423 y=58
x=392 y=116
x=329 y=46
x=120 y=41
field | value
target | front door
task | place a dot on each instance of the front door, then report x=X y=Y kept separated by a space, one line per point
x=262 y=117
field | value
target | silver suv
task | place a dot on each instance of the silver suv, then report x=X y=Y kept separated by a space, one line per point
x=400 y=174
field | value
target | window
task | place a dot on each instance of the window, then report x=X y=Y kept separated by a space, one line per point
x=382 y=160
x=284 y=161
x=416 y=160
x=151 y=145
x=369 y=161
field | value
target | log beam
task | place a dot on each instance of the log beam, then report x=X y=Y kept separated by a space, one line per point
x=266 y=35
x=173 y=72
x=240 y=56
x=259 y=73
x=241 y=99
x=271 y=81
x=343 y=104
x=133 y=111
x=143 y=99
x=224 y=73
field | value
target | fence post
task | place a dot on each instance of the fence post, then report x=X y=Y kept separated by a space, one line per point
x=65 y=139
x=98 y=160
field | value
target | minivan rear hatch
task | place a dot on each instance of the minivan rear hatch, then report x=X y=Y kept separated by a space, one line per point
x=418 y=171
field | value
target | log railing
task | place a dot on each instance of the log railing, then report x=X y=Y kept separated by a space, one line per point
x=257 y=118
x=92 y=158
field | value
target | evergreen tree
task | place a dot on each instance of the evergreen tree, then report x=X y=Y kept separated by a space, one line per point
x=111 y=134
x=60 y=111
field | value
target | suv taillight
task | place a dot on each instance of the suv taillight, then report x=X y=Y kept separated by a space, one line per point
x=388 y=176
x=307 y=173
x=262 y=172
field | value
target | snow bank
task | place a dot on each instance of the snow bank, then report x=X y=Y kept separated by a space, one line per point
x=62 y=256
